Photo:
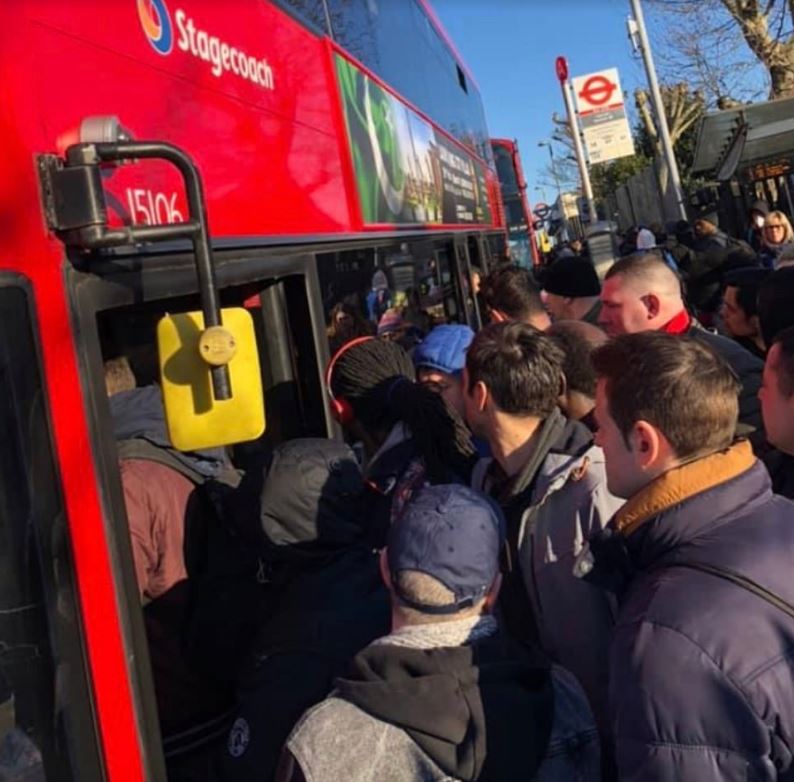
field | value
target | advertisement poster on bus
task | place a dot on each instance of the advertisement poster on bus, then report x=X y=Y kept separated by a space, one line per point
x=605 y=126
x=406 y=171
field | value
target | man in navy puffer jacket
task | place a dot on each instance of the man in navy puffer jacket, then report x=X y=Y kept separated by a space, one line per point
x=701 y=667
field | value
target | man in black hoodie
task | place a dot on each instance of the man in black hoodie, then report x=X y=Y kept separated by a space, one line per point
x=445 y=696
x=323 y=602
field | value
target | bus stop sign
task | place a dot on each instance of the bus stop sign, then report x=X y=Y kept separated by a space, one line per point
x=542 y=211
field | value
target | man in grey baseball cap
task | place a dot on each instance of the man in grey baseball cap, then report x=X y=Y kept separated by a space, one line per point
x=445 y=695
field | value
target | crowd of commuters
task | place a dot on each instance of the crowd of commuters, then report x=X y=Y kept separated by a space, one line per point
x=555 y=548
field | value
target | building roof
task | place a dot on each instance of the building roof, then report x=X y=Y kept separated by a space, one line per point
x=736 y=138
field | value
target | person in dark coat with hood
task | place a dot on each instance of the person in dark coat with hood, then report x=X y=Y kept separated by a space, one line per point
x=324 y=597
x=445 y=696
x=701 y=681
x=163 y=499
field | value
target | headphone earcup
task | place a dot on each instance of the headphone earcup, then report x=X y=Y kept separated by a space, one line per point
x=342 y=411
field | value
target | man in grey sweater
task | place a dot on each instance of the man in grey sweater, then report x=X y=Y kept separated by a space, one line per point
x=445 y=696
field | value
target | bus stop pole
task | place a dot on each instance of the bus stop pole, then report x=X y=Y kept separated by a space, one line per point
x=562 y=75
x=658 y=107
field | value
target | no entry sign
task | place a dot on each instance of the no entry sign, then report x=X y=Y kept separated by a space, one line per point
x=599 y=103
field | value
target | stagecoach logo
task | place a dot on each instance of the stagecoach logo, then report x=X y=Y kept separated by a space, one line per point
x=239 y=736
x=156 y=24
x=191 y=39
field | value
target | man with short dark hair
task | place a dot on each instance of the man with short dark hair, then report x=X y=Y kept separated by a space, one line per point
x=777 y=406
x=578 y=339
x=509 y=293
x=740 y=308
x=445 y=696
x=549 y=479
x=642 y=293
x=701 y=685
x=570 y=290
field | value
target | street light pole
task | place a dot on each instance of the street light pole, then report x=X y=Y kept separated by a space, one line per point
x=553 y=168
x=658 y=106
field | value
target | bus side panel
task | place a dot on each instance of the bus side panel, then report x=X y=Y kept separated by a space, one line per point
x=26 y=247
x=269 y=156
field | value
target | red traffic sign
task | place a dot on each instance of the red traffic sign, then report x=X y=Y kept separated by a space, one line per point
x=561 y=67
x=597 y=90
x=541 y=210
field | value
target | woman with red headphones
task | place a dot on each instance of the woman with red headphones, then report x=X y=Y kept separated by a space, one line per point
x=410 y=436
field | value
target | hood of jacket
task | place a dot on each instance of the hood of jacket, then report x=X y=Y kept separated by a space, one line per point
x=139 y=414
x=304 y=499
x=563 y=447
x=480 y=712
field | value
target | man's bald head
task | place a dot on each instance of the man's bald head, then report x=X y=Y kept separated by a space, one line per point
x=640 y=293
x=648 y=273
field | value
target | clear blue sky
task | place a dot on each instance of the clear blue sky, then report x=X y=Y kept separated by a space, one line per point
x=511 y=45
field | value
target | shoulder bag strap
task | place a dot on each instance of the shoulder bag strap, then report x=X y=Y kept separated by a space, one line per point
x=740 y=581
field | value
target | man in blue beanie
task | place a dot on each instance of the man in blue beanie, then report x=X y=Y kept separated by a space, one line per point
x=440 y=359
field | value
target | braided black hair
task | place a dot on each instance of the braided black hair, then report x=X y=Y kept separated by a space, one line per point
x=377 y=379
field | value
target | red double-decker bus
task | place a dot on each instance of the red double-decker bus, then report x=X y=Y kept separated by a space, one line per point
x=513 y=187
x=172 y=156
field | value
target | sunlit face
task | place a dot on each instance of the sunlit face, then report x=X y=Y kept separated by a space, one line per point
x=737 y=324
x=624 y=477
x=556 y=305
x=622 y=309
x=774 y=231
x=449 y=386
x=474 y=417
x=776 y=408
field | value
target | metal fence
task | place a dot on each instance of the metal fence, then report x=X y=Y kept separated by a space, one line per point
x=640 y=201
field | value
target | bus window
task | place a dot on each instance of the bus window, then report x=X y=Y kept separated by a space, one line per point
x=280 y=310
x=451 y=298
x=46 y=721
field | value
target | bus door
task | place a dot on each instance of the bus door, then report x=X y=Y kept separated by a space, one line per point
x=119 y=302
x=47 y=726
x=464 y=282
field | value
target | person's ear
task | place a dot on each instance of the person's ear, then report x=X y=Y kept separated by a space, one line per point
x=383 y=561
x=646 y=443
x=493 y=595
x=652 y=304
x=563 y=385
x=481 y=396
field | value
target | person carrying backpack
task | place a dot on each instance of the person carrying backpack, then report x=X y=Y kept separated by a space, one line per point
x=324 y=598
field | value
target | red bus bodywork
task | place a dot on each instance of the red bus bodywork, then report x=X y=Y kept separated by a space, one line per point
x=274 y=161
x=516 y=191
